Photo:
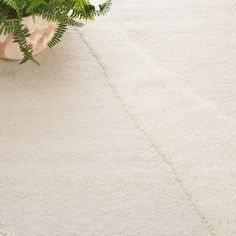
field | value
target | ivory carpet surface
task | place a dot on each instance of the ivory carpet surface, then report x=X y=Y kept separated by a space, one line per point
x=115 y=135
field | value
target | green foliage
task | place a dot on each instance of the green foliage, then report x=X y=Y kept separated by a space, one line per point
x=64 y=12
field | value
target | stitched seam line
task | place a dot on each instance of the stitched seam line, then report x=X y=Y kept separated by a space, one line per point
x=148 y=138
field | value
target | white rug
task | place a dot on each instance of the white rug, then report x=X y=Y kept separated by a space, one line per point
x=99 y=140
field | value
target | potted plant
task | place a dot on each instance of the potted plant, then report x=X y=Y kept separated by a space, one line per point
x=29 y=26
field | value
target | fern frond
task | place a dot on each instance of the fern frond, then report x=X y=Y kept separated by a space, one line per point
x=27 y=49
x=60 y=30
x=64 y=12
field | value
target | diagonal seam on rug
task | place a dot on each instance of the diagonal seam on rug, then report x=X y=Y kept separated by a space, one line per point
x=195 y=138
